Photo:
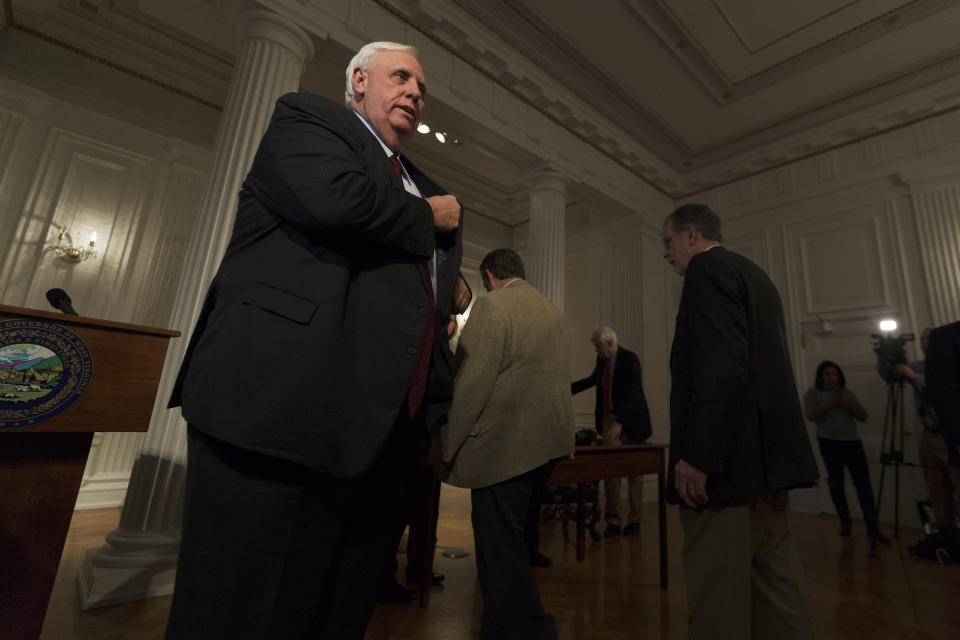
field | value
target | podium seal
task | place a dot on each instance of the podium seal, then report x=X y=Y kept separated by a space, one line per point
x=44 y=369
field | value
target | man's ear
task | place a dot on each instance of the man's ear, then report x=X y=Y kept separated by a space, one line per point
x=359 y=80
x=485 y=275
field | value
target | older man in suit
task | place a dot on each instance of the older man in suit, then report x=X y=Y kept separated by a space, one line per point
x=317 y=364
x=512 y=415
x=621 y=415
x=737 y=441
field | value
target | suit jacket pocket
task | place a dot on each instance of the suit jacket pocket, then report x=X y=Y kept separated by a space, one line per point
x=280 y=302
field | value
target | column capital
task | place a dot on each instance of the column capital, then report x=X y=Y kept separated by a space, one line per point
x=920 y=181
x=543 y=175
x=266 y=25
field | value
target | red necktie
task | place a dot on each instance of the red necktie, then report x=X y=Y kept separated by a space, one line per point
x=606 y=386
x=418 y=385
x=395 y=161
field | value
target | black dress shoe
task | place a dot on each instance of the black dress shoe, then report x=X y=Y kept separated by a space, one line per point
x=612 y=531
x=436 y=577
x=631 y=528
x=879 y=537
x=392 y=591
x=537 y=559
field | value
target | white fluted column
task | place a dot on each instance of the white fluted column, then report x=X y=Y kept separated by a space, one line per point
x=139 y=558
x=626 y=285
x=546 y=244
x=937 y=211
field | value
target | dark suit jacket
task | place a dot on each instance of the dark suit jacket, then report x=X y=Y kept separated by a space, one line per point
x=311 y=330
x=734 y=408
x=942 y=372
x=626 y=396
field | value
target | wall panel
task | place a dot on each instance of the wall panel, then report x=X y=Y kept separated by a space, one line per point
x=62 y=167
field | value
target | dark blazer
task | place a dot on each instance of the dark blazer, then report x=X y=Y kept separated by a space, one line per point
x=942 y=371
x=310 y=332
x=626 y=396
x=734 y=408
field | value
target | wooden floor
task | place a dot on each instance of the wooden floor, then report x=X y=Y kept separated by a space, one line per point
x=612 y=595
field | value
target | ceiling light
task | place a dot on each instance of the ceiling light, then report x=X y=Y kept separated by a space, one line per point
x=423 y=127
x=441 y=137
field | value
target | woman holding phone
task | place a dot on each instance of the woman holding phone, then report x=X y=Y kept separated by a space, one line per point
x=836 y=411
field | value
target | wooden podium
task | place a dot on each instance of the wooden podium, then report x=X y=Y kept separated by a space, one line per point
x=42 y=459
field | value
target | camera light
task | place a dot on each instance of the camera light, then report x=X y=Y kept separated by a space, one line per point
x=888 y=326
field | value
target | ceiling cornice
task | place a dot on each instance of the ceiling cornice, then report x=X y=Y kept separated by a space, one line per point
x=768 y=147
x=590 y=140
x=13 y=23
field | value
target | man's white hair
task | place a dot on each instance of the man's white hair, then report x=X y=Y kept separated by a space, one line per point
x=365 y=58
x=604 y=334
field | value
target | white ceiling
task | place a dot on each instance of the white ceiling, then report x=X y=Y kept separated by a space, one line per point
x=698 y=81
x=685 y=93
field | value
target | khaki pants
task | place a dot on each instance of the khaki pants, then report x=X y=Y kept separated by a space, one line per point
x=943 y=481
x=612 y=502
x=612 y=493
x=744 y=578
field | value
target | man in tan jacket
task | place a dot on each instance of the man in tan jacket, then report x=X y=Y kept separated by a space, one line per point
x=512 y=416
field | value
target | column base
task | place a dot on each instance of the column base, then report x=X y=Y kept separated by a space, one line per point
x=129 y=567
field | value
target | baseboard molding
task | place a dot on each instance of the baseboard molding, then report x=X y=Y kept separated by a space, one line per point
x=103 y=490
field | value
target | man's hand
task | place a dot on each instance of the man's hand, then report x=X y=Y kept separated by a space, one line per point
x=905 y=370
x=461 y=295
x=611 y=435
x=691 y=484
x=435 y=456
x=446 y=212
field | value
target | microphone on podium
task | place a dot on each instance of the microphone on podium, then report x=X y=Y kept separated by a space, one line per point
x=59 y=299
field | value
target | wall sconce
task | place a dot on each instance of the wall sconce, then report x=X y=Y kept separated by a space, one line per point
x=71 y=254
x=824 y=327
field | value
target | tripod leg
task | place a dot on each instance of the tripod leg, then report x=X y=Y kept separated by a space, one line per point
x=899 y=459
x=887 y=452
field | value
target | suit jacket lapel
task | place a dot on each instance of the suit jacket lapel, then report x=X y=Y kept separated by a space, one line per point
x=444 y=241
x=375 y=151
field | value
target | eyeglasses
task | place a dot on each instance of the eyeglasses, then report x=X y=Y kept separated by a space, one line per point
x=668 y=239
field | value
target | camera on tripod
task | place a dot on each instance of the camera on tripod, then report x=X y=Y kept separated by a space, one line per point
x=891 y=351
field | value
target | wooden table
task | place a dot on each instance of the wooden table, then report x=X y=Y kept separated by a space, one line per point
x=596 y=462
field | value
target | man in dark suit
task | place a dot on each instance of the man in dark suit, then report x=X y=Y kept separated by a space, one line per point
x=318 y=364
x=737 y=441
x=943 y=385
x=621 y=415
